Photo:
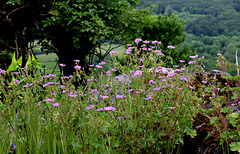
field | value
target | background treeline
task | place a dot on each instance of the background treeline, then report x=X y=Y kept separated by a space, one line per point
x=212 y=26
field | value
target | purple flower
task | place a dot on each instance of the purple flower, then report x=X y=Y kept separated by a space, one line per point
x=101 y=109
x=130 y=90
x=88 y=80
x=90 y=107
x=156 y=89
x=117 y=77
x=141 y=66
x=56 y=104
x=193 y=56
x=119 y=117
x=77 y=67
x=140 y=59
x=204 y=81
x=129 y=44
x=109 y=108
x=171 y=47
x=113 y=52
x=14 y=146
x=182 y=61
x=175 y=66
x=90 y=65
x=172 y=108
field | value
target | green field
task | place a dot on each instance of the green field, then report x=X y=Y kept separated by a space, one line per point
x=49 y=61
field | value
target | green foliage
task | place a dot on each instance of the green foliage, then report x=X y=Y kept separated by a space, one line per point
x=17 y=64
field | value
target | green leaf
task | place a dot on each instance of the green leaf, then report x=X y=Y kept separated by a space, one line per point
x=235 y=146
x=192 y=132
x=14 y=64
x=225 y=110
x=214 y=120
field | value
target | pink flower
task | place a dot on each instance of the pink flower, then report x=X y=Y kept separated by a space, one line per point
x=184 y=79
x=148 y=98
x=77 y=67
x=77 y=61
x=182 y=61
x=113 y=52
x=156 y=89
x=175 y=66
x=151 y=81
x=100 y=109
x=49 y=100
x=172 y=108
x=193 y=56
x=119 y=96
x=90 y=65
x=141 y=66
x=140 y=59
x=138 y=92
x=155 y=42
x=129 y=44
x=130 y=90
x=98 y=66
x=62 y=65
x=113 y=69
x=104 y=97
x=191 y=62
x=90 y=107
x=138 y=72
x=191 y=87
x=56 y=104
x=204 y=81
x=171 y=47
x=102 y=63
x=119 y=117
x=138 y=40
x=109 y=108
x=146 y=41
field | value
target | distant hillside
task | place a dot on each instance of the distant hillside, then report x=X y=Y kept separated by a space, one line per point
x=207 y=17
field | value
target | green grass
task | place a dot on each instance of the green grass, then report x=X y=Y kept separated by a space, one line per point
x=49 y=61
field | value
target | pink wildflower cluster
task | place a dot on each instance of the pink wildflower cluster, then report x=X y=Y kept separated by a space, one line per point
x=138 y=40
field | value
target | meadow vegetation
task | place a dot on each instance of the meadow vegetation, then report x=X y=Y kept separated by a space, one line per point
x=150 y=113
